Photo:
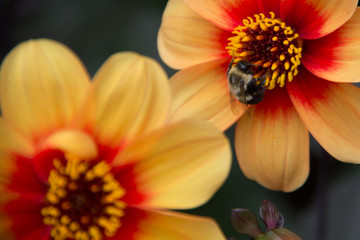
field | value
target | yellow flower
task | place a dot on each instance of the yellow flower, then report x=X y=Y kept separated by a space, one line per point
x=305 y=56
x=97 y=160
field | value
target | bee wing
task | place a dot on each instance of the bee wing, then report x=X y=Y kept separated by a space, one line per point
x=237 y=107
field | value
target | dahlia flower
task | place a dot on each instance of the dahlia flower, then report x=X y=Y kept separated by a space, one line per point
x=307 y=51
x=98 y=160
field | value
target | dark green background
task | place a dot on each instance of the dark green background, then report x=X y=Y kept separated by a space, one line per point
x=328 y=204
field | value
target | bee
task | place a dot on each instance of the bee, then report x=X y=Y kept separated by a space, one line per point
x=243 y=87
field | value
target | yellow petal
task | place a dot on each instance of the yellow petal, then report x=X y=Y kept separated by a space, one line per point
x=272 y=144
x=186 y=39
x=202 y=92
x=12 y=142
x=336 y=57
x=331 y=112
x=180 y=166
x=42 y=83
x=72 y=141
x=130 y=96
x=166 y=225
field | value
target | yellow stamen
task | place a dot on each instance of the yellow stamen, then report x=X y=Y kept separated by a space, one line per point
x=66 y=194
x=245 y=54
x=65 y=220
x=295 y=71
x=61 y=192
x=263 y=26
x=267 y=64
x=95 y=233
x=281 y=80
x=247 y=39
x=275 y=65
x=287 y=65
x=290 y=76
x=74 y=226
x=114 y=211
x=52 y=198
x=273 y=47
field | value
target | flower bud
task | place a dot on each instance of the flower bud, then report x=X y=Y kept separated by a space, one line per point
x=270 y=215
x=244 y=221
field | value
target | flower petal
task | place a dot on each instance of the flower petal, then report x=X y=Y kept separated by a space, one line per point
x=183 y=33
x=177 y=226
x=40 y=233
x=336 y=57
x=201 y=92
x=23 y=180
x=72 y=141
x=272 y=145
x=42 y=83
x=12 y=142
x=130 y=96
x=29 y=226
x=12 y=145
x=227 y=14
x=180 y=166
x=67 y=141
x=331 y=112
x=172 y=225
x=311 y=18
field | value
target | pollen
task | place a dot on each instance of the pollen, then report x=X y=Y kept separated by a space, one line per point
x=270 y=42
x=83 y=200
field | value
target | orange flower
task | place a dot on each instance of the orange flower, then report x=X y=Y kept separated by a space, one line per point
x=98 y=160
x=307 y=51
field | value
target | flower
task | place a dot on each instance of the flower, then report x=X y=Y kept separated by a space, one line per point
x=308 y=54
x=98 y=160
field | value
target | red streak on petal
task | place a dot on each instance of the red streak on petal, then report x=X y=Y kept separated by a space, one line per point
x=320 y=53
x=25 y=179
x=41 y=233
x=307 y=88
x=44 y=161
x=223 y=39
x=27 y=193
x=239 y=11
x=127 y=179
x=301 y=16
x=129 y=224
x=275 y=100
x=27 y=225
x=24 y=203
x=108 y=154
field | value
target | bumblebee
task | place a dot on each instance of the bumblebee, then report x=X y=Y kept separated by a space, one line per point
x=242 y=84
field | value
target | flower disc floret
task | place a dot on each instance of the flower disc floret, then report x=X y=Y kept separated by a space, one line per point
x=273 y=47
x=83 y=200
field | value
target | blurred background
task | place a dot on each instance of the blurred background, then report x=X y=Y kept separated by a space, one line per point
x=326 y=207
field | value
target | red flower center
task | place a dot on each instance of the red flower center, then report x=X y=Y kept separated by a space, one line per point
x=83 y=200
x=270 y=45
